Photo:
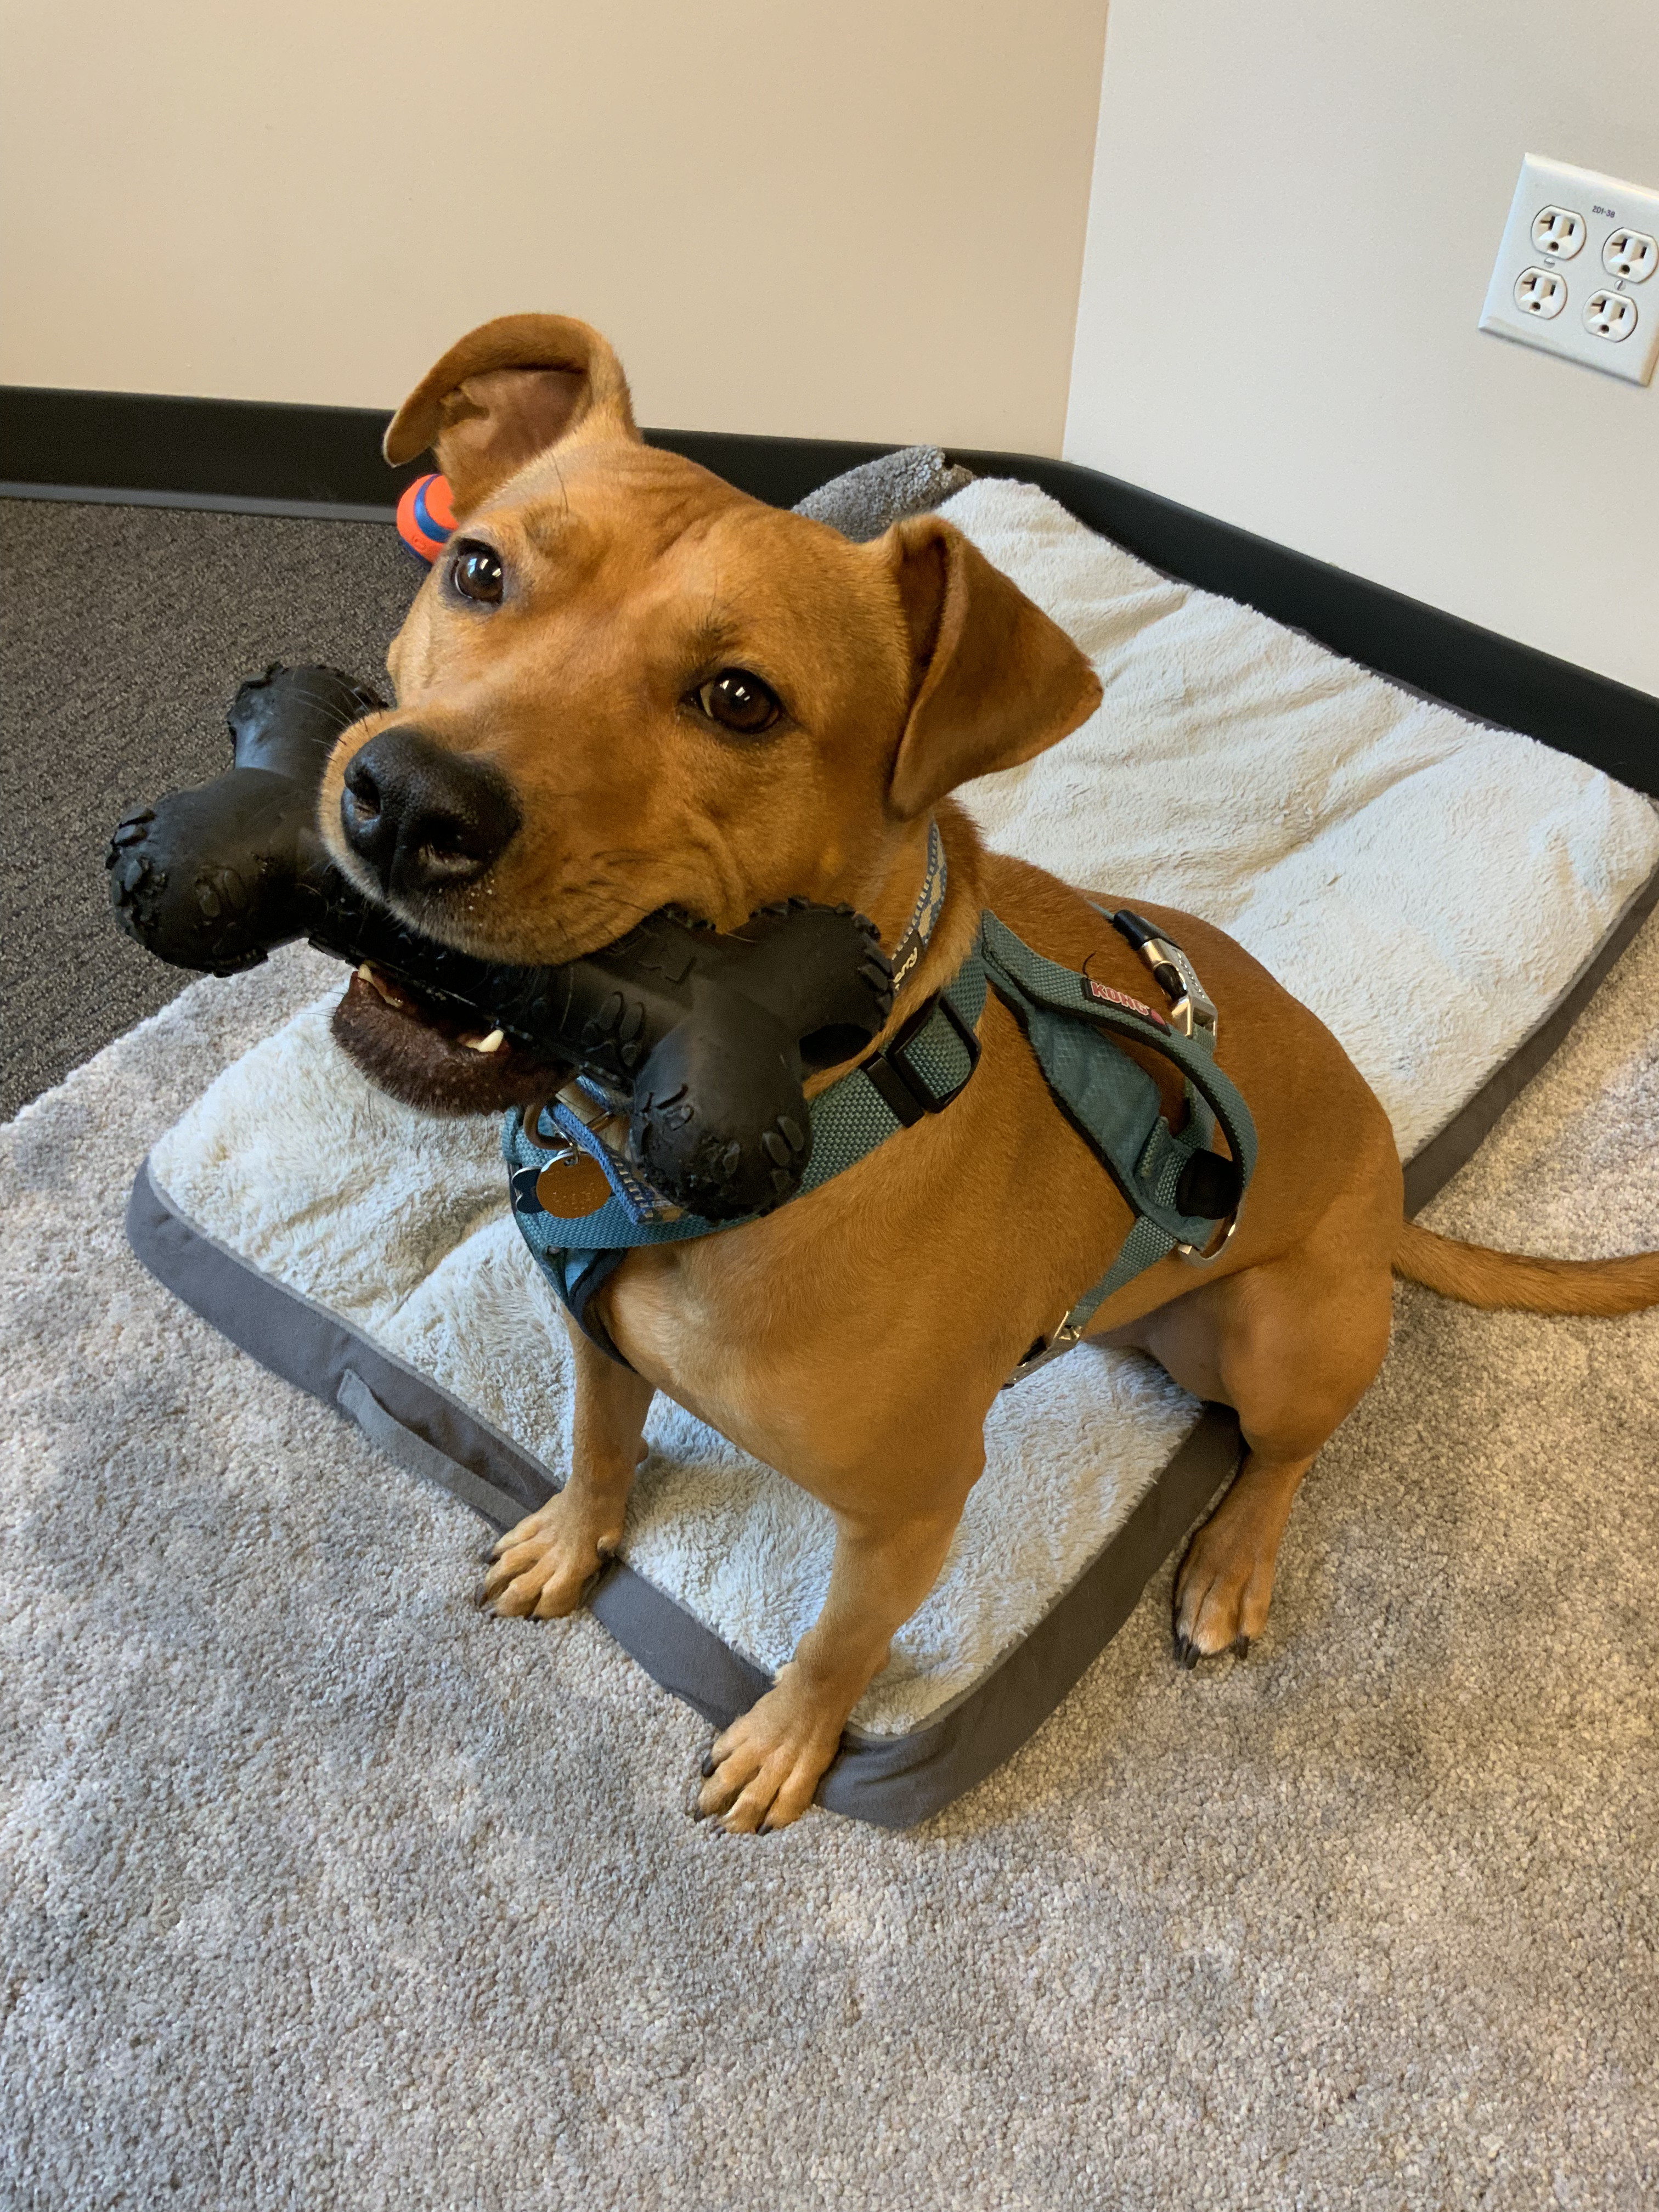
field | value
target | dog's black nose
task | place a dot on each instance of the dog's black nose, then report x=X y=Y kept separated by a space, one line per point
x=423 y=818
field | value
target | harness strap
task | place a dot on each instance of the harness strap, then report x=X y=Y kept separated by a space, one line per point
x=1178 y=1189
x=919 y=1072
x=1170 y=1180
x=1047 y=998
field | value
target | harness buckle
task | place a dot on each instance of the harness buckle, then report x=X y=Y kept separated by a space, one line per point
x=902 y=1089
x=1191 y=1007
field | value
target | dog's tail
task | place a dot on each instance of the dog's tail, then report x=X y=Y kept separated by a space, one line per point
x=1477 y=1277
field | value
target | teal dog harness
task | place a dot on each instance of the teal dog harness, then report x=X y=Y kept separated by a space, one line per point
x=1182 y=1191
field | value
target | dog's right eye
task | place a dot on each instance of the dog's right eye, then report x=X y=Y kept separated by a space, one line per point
x=739 y=701
x=476 y=572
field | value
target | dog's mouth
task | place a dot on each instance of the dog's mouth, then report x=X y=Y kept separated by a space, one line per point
x=434 y=1058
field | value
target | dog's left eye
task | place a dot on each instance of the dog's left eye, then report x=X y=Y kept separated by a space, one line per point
x=739 y=701
x=476 y=572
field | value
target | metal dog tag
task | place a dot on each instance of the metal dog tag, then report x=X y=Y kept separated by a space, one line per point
x=571 y=1186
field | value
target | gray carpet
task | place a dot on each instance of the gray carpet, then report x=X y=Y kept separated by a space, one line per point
x=124 y=634
x=319 y=1889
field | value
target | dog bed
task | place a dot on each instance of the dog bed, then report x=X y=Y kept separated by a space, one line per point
x=1445 y=895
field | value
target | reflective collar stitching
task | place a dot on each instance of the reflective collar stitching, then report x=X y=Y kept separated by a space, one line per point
x=930 y=904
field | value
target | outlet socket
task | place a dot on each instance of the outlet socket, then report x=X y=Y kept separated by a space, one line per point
x=1557 y=232
x=1577 y=247
x=1539 y=292
x=1610 y=315
x=1631 y=254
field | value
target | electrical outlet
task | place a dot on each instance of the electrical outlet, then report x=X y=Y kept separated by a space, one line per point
x=1577 y=250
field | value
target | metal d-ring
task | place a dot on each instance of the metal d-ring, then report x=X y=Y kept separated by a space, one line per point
x=554 y=1139
x=1194 y=1258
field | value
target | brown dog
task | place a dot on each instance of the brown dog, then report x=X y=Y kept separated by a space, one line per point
x=627 y=685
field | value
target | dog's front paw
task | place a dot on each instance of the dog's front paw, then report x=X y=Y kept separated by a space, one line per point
x=762 y=1773
x=546 y=1565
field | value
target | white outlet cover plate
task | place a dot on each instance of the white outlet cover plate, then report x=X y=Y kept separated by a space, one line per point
x=1607 y=205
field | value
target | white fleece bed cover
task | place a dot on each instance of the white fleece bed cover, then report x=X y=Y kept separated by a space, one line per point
x=1430 y=887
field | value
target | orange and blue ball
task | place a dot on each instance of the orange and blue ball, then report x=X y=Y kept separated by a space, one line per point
x=426 y=518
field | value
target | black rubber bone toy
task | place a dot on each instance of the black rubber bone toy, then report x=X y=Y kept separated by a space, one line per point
x=709 y=1036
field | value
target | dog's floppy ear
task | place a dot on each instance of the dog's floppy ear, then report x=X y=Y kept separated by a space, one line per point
x=505 y=392
x=996 y=680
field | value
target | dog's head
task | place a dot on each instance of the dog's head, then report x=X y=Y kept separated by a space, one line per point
x=627 y=685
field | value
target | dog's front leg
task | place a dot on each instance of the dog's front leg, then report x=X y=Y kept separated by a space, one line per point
x=545 y=1564
x=763 y=1771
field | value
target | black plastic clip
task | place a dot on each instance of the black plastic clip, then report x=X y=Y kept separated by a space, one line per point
x=902 y=1089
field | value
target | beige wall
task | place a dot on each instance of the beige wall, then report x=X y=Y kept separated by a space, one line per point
x=856 y=218
x=1296 y=207
x=865 y=218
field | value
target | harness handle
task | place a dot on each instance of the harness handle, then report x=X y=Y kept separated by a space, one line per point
x=1064 y=991
x=1158 y=1228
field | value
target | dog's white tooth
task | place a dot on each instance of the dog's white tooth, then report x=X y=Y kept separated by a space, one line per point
x=377 y=982
x=493 y=1042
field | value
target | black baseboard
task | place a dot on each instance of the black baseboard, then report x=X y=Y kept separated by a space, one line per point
x=263 y=456
x=228 y=449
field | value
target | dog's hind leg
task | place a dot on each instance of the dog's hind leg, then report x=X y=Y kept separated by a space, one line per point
x=1226 y=1580
x=547 y=1564
x=1293 y=1346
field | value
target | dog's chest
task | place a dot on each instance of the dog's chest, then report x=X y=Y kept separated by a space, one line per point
x=900 y=1297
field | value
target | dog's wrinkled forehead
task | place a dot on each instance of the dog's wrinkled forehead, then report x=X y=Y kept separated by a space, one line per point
x=638 y=508
x=575 y=497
